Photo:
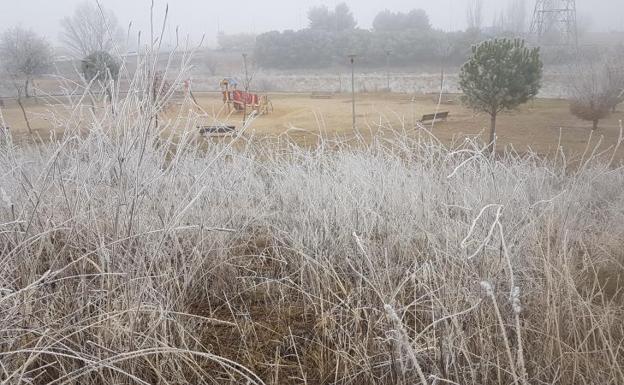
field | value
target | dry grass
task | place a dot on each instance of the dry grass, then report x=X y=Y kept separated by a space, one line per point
x=129 y=258
x=541 y=126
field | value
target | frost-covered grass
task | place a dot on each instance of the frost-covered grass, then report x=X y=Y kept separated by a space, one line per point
x=127 y=257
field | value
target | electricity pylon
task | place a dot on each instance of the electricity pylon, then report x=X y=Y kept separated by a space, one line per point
x=554 y=22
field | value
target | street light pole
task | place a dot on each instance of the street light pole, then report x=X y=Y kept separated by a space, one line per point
x=246 y=89
x=352 y=59
x=388 y=53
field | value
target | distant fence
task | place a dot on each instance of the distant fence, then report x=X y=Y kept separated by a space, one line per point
x=57 y=98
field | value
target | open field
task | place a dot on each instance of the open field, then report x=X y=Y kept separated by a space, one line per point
x=540 y=126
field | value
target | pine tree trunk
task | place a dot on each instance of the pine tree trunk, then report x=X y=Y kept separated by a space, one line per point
x=492 y=142
x=26 y=91
x=595 y=125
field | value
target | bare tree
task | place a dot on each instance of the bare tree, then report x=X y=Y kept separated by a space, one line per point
x=474 y=15
x=596 y=89
x=24 y=55
x=90 y=29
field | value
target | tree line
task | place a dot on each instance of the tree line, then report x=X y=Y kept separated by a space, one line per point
x=400 y=38
x=309 y=48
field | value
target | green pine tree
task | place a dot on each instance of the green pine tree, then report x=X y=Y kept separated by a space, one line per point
x=500 y=75
x=102 y=67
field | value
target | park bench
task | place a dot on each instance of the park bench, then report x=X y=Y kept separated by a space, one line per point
x=439 y=116
x=216 y=129
x=321 y=95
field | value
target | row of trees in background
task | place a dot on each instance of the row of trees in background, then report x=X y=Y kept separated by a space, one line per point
x=408 y=36
x=332 y=34
x=310 y=48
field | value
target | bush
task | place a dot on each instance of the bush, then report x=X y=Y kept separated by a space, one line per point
x=592 y=110
x=100 y=66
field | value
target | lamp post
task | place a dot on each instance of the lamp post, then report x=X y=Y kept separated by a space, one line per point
x=246 y=89
x=388 y=53
x=352 y=60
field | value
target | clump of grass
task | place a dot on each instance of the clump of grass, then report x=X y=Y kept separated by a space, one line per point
x=133 y=252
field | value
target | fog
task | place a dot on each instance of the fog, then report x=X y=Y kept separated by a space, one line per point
x=199 y=17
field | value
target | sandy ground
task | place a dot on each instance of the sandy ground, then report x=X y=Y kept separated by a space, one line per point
x=538 y=125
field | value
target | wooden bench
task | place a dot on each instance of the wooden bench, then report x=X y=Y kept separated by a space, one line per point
x=439 y=116
x=217 y=129
x=321 y=95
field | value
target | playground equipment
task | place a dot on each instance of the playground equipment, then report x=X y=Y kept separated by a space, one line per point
x=242 y=101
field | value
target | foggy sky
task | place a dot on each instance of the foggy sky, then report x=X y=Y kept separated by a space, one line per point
x=197 y=17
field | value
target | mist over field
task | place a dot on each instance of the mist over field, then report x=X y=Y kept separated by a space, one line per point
x=312 y=192
x=198 y=17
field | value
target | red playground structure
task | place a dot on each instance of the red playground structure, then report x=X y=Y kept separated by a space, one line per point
x=242 y=101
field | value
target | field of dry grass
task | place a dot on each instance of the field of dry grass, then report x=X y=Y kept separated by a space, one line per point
x=132 y=256
x=540 y=126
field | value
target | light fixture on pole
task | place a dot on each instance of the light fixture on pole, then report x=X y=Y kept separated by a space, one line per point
x=388 y=53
